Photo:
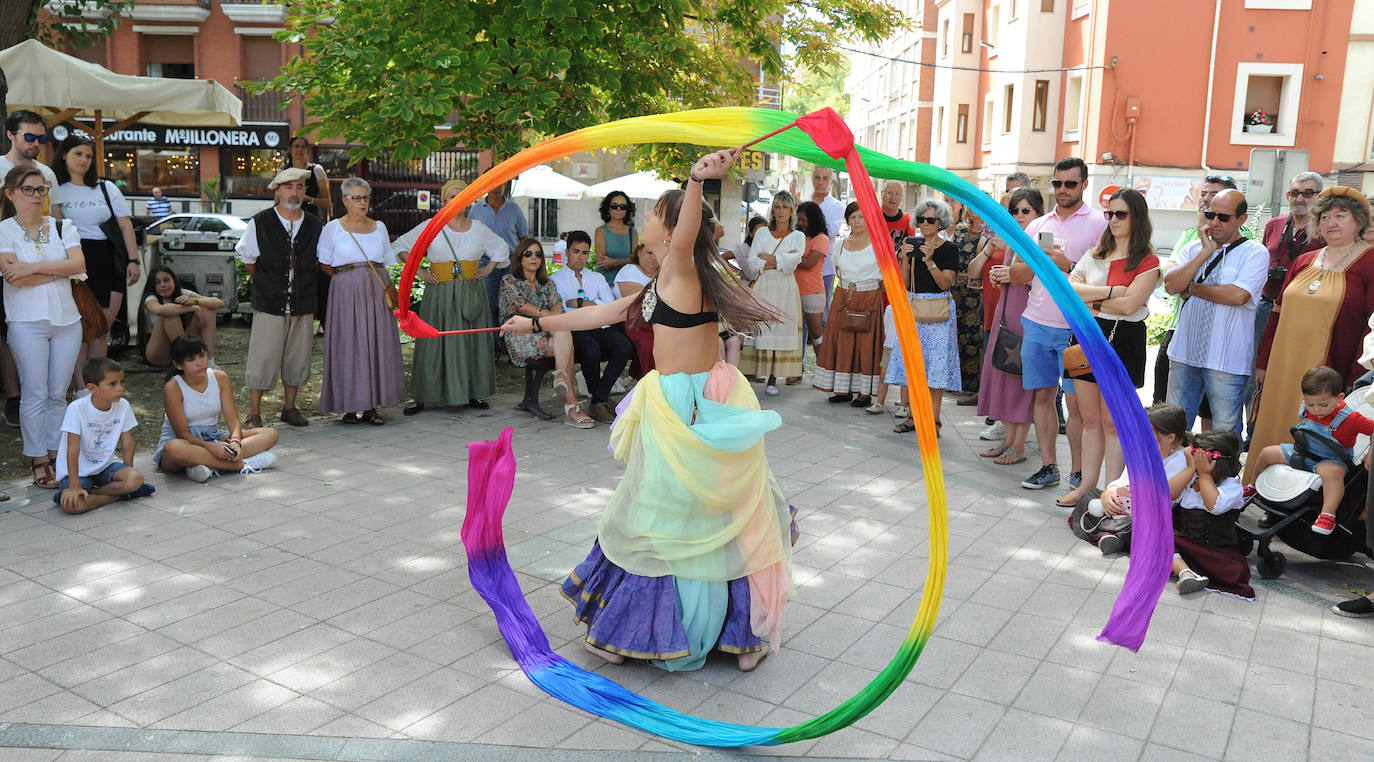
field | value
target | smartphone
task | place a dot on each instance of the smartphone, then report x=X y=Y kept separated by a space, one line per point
x=1046 y=240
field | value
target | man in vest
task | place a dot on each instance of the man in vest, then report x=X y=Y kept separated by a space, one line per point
x=278 y=250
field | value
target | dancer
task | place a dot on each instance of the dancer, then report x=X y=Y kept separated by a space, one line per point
x=693 y=551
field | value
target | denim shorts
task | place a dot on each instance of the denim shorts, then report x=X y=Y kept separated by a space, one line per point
x=1042 y=355
x=1317 y=456
x=88 y=483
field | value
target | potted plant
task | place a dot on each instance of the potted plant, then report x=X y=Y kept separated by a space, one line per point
x=1259 y=120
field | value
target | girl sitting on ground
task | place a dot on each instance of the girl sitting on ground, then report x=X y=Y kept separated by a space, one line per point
x=192 y=439
x=1205 y=553
x=172 y=311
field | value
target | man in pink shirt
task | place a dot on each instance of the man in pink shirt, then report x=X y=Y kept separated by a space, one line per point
x=1075 y=229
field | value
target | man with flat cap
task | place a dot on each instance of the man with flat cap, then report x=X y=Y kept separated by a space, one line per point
x=278 y=250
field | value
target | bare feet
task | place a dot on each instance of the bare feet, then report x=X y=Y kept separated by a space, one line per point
x=607 y=655
x=747 y=662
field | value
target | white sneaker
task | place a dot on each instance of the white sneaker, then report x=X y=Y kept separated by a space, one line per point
x=256 y=463
x=994 y=433
x=200 y=474
x=771 y=390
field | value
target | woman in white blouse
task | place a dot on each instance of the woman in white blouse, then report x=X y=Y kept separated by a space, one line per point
x=39 y=256
x=849 y=362
x=773 y=257
x=455 y=370
x=90 y=202
x=362 y=346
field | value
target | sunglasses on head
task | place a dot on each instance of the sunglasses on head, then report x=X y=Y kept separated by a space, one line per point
x=621 y=207
x=1218 y=179
x=1120 y=214
x=30 y=137
x=1070 y=184
x=1309 y=193
x=1218 y=216
x=927 y=220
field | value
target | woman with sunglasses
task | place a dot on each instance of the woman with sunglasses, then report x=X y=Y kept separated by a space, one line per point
x=527 y=291
x=91 y=202
x=1115 y=280
x=454 y=370
x=928 y=264
x=1319 y=318
x=615 y=240
x=39 y=257
x=362 y=347
x=1000 y=395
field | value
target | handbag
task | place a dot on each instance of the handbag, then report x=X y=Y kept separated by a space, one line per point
x=930 y=310
x=1006 y=351
x=110 y=227
x=854 y=321
x=94 y=324
x=1076 y=360
x=389 y=292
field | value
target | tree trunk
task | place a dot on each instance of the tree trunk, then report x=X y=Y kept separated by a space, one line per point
x=18 y=16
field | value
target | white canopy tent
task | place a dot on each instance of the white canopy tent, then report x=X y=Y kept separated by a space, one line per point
x=543 y=182
x=637 y=185
x=64 y=88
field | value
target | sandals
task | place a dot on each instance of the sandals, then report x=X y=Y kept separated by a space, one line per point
x=579 y=421
x=372 y=417
x=560 y=382
x=994 y=452
x=1010 y=457
x=875 y=408
x=903 y=426
x=413 y=409
x=1059 y=501
x=43 y=474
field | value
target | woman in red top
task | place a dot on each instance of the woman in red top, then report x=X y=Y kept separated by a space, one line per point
x=1115 y=279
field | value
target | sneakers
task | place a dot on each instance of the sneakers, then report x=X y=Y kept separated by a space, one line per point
x=144 y=491
x=1076 y=479
x=771 y=390
x=1324 y=524
x=874 y=409
x=1190 y=582
x=1047 y=476
x=1360 y=608
x=994 y=433
x=257 y=463
x=1109 y=544
x=200 y=474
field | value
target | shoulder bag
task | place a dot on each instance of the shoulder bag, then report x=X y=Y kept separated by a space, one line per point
x=94 y=324
x=1076 y=360
x=115 y=233
x=1006 y=351
x=389 y=292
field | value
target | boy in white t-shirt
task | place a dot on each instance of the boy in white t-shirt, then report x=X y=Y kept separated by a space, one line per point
x=96 y=425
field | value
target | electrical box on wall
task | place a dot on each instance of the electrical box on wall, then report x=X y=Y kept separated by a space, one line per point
x=1132 y=109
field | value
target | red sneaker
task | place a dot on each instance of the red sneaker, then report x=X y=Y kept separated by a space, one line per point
x=1249 y=491
x=1324 y=523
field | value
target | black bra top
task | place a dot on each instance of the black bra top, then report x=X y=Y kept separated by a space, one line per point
x=657 y=311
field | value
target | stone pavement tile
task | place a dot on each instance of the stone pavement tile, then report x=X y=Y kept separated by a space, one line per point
x=487 y=708
x=1055 y=601
x=1223 y=635
x=1280 y=692
x=291 y=649
x=827 y=634
x=299 y=715
x=1122 y=707
x=230 y=708
x=830 y=687
x=143 y=675
x=41 y=629
x=73 y=644
x=1193 y=724
x=1210 y=676
x=59 y=707
x=913 y=752
x=1005 y=591
x=19 y=589
x=101 y=661
x=1172 y=624
x=252 y=633
x=32 y=607
x=32 y=755
x=896 y=717
x=875 y=648
x=827 y=589
x=1086 y=744
x=206 y=623
x=873 y=600
x=437 y=618
x=84 y=755
x=1341 y=660
x=1154 y=664
x=1025 y=736
x=165 y=601
x=961 y=580
x=376 y=613
x=1083 y=570
x=1344 y=707
x=721 y=706
x=230 y=560
x=352 y=726
x=604 y=735
x=957 y=725
x=157 y=704
x=973 y=623
x=1058 y=691
x=416 y=700
x=336 y=663
x=853 y=742
x=453 y=644
x=307 y=534
x=424 y=562
x=781 y=717
x=1256 y=735
x=108 y=579
x=778 y=676
x=867 y=562
x=355 y=591
x=254 y=745
x=543 y=725
x=374 y=681
x=943 y=661
x=1029 y=635
x=996 y=677
x=1327 y=744
x=1079 y=647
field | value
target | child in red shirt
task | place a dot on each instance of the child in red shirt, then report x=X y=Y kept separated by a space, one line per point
x=1323 y=411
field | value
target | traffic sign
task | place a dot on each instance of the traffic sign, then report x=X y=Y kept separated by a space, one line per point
x=1106 y=194
x=422 y=200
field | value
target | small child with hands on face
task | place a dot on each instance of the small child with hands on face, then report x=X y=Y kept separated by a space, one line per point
x=95 y=426
x=1205 y=541
x=1323 y=411
x=1170 y=428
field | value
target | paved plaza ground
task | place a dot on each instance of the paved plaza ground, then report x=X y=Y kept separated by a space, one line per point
x=322 y=611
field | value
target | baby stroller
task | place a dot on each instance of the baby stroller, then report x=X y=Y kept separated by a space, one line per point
x=1291 y=499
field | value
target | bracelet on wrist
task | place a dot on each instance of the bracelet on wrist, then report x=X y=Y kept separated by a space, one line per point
x=693 y=177
x=534 y=323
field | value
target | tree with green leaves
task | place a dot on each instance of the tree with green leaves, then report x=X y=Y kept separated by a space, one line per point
x=817 y=87
x=381 y=74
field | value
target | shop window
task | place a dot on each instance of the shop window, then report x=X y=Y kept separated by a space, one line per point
x=245 y=172
x=1042 y=105
x=175 y=170
x=1265 y=109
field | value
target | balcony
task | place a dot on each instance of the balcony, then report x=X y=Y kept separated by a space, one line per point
x=264 y=107
x=253 y=11
x=769 y=96
x=171 y=10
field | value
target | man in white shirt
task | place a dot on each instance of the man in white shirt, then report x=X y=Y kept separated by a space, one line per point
x=1221 y=276
x=580 y=287
x=28 y=134
x=821 y=180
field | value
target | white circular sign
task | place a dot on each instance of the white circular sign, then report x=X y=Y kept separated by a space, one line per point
x=59 y=132
x=271 y=139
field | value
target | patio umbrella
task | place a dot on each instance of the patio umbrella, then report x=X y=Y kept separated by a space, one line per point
x=64 y=88
x=637 y=185
x=543 y=182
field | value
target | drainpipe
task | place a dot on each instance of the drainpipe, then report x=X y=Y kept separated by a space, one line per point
x=1211 y=78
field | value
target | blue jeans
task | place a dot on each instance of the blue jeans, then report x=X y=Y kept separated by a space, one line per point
x=493 y=284
x=829 y=292
x=1225 y=392
x=1262 y=313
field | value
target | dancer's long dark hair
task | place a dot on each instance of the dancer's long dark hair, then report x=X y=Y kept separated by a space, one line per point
x=736 y=304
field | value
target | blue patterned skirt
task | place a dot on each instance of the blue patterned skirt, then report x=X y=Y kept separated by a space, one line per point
x=939 y=350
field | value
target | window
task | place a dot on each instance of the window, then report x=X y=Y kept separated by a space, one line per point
x=1047 y=6
x=544 y=219
x=987 y=121
x=961 y=127
x=994 y=22
x=944 y=38
x=1042 y=105
x=170 y=55
x=137 y=170
x=1073 y=104
x=1279 y=5
x=1011 y=10
x=1008 y=99
x=1080 y=9
x=940 y=127
x=966 y=40
x=1276 y=89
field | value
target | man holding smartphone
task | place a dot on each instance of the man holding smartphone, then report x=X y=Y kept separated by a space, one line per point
x=1065 y=234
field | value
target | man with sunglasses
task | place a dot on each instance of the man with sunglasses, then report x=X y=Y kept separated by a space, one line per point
x=1220 y=277
x=1046 y=333
x=28 y=134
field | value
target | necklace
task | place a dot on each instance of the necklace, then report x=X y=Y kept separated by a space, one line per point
x=1326 y=267
x=38 y=241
